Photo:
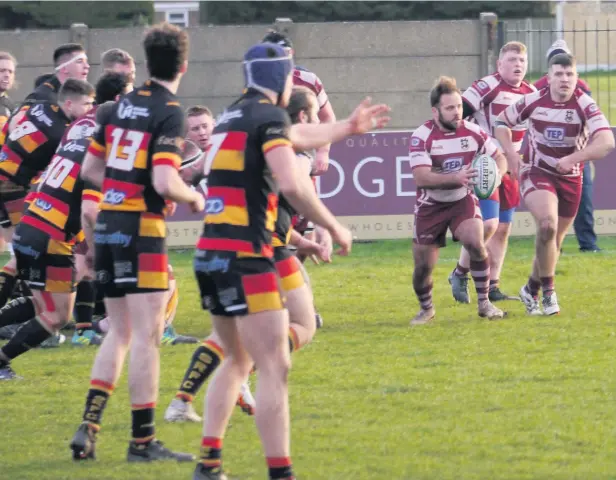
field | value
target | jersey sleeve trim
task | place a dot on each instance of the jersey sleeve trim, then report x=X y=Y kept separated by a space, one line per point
x=167 y=158
x=96 y=148
x=92 y=196
x=275 y=143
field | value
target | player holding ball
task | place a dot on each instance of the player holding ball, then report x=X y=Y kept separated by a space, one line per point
x=442 y=151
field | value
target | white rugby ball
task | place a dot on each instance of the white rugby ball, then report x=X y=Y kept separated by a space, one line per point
x=487 y=176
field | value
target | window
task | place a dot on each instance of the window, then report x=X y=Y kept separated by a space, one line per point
x=176 y=13
x=177 y=17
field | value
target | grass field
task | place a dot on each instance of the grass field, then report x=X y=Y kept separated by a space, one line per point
x=371 y=398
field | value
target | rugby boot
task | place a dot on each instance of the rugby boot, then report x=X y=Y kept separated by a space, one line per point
x=86 y=337
x=154 y=451
x=201 y=473
x=170 y=337
x=83 y=443
x=246 y=401
x=319 y=320
x=550 y=304
x=7 y=373
x=531 y=303
x=54 y=341
x=459 y=288
x=179 y=411
x=423 y=317
x=487 y=310
x=495 y=295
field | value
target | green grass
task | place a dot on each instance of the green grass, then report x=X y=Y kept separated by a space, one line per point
x=463 y=398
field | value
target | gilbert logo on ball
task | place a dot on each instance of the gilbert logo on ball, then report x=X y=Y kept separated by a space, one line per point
x=487 y=174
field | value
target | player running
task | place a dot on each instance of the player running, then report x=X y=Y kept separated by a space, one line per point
x=442 y=150
x=482 y=103
x=566 y=128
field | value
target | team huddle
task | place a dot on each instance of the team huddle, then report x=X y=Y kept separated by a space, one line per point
x=88 y=175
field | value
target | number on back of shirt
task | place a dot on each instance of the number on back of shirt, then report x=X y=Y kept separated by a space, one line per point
x=56 y=172
x=21 y=130
x=124 y=148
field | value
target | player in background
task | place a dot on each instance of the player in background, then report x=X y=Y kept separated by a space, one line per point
x=44 y=242
x=119 y=61
x=583 y=225
x=134 y=157
x=28 y=150
x=482 y=103
x=8 y=65
x=565 y=129
x=442 y=150
x=199 y=125
x=305 y=78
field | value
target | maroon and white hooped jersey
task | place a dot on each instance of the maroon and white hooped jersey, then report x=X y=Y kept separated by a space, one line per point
x=489 y=96
x=306 y=78
x=447 y=152
x=555 y=129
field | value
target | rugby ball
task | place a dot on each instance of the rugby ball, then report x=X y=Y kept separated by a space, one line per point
x=487 y=176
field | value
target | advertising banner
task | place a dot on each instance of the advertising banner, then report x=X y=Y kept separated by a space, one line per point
x=369 y=186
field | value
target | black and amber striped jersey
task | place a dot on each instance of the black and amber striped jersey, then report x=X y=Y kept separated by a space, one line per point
x=56 y=205
x=242 y=202
x=32 y=143
x=6 y=109
x=284 y=221
x=45 y=92
x=144 y=129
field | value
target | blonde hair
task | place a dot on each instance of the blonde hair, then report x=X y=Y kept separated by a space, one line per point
x=8 y=56
x=517 y=47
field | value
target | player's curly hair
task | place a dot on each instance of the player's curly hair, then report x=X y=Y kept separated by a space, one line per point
x=166 y=49
x=443 y=86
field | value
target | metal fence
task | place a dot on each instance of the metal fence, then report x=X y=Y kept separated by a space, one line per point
x=590 y=42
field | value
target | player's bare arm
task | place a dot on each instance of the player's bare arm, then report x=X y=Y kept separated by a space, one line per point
x=168 y=184
x=93 y=168
x=312 y=249
x=326 y=115
x=364 y=118
x=89 y=212
x=600 y=145
x=502 y=133
x=501 y=161
x=426 y=178
x=302 y=197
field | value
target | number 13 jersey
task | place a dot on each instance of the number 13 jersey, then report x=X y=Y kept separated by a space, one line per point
x=144 y=129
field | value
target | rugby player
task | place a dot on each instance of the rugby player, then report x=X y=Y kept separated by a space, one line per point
x=134 y=156
x=200 y=123
x=566 y=128
x=305 y=78
x=441 y=151
x=583 y=225
x=482 y=103
x=44 y=240
x=119 y=61
x=251 y=158
x=7 y=80
x=303 y=107
x=71 y=62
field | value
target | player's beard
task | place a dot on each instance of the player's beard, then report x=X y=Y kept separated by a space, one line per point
x=445 y=124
